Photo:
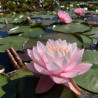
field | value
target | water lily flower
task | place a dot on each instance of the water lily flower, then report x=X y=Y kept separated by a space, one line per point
x=79 y=11
x=64 y=17
x=59 y=62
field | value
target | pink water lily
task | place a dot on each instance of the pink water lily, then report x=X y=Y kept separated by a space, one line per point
x=64 y=17
x=59 y=62
x=79 y=11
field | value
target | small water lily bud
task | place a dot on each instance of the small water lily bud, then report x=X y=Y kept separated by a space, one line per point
x=64 y=17
x=79 y=11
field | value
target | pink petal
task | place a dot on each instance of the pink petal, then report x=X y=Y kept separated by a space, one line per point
x=56 y=44
x=50 y=43
x=59 y=80
x=70 y=74
x=56 y=54
x=83 y=67
x=40 y=47
x=60 y=41
x=62 y=62
x=41 y=69
x=62 y=52
x=36 y=54
x=53 y=68
x=74 y=53
x=69 y=53
x=30 y=66
x=76 y=61
x=45 y=83
x=30 y=53
x=47 y=57
x=37 y=58
x=74 y=45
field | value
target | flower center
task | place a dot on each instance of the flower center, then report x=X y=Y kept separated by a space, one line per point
x=60 y=49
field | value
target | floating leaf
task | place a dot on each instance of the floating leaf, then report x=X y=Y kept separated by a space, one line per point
x=19 y=19
x=94 y=30
x=71 y=28
x=89 y=80
x=34 y=32
x=7 y=90
x=95 y=36
x=47 y=22
x=14 y=41
x=21 y=73
x=43 y=16
x=2 y=19
x=31 y=42
x=19 y=29
x=87 y=41
x=68 y=37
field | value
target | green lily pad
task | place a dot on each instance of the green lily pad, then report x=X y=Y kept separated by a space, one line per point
x=21 y=73
x=43 y=22
x=7 y=90
x=89 y=80
x=19 y=19
x=14 y=41
x=93 y=31
x=95 y=36
x=42 y=16
x=71 y=28
x=34 y=32
x=68 y=37
x=19 y=29
x=31 y=42
x=87 y=41
x=47 y=22
x=2 y=19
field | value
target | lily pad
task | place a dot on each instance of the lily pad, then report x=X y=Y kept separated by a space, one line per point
x=21 y=73
x=7 y=90
x=31 y=42
x=95 y=36
x=2 y=19
x=87 y=41
x=47 y=16
x=93 y=31
x=71 y=28
x=47 y=22
x=19 y=19
x=68 y=37
x=19 y=29
x=34 y=32
x=14 y=41
x=89 y=80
